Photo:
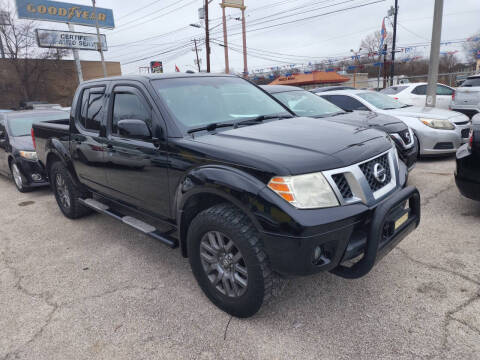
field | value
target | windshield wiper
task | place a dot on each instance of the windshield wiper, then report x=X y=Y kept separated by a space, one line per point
x=210 y=127
x=261 y=118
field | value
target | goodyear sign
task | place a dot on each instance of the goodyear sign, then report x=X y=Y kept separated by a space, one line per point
x=64 y=12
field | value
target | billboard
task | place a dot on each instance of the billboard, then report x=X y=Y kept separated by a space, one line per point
x=46 y=10
x=233 y=3
x=156 y=67
x=69 y=40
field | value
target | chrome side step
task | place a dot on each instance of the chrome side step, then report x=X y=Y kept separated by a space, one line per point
x=133 y=222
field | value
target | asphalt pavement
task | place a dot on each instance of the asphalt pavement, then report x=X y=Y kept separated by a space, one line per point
x=96 y=289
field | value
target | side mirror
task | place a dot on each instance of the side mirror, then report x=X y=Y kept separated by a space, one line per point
x=135 y=129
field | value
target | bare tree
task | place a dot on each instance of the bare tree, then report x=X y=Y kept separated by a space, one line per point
x=29 y=61
x=371 y=43
x=472 y=46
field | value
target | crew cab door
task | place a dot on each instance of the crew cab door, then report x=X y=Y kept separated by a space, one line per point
x=137 y=171
x=87 y=139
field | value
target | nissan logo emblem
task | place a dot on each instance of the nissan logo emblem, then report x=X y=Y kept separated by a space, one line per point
x=379 y=173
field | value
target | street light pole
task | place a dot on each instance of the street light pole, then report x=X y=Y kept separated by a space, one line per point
x=99 y=41
x=196 y=52
x=434 y=54
x=207 y=36
x=392 y=68
x=225 y=40
x=244 y=32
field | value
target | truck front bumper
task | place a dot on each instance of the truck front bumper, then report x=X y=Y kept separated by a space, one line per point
x=345 y=233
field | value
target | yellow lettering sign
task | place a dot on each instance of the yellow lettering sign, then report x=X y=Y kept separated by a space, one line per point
x=42 y=9
x=62 y=12
x=102 y=17
x=30 y=8
x=52 y=10
x=85 y=15
x=92 y=16
x=71 y=12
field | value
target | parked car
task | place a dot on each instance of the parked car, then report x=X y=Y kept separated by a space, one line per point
x=248 y=190
x=467 y=173
x=416 y=94
x=466 y=98
x=18 y=158
x=304 y=103
x=331 y=88
x=438 y=131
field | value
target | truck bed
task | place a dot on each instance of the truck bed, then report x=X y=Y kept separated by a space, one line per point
x=47 y=131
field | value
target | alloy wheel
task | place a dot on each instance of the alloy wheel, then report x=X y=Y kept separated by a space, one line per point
x=223 y=264
x=17 y=177
x=62 y=191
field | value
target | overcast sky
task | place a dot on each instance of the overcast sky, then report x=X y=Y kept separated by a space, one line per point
x=322 y=36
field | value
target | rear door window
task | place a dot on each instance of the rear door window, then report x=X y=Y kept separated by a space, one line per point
x=471 y=82
x=443 y=90
x=344 y=102
x=91 y=111
x=420 y=90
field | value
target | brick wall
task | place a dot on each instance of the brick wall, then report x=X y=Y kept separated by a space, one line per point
x=58 y=82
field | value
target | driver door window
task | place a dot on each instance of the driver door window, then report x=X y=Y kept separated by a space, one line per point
x=128 y=105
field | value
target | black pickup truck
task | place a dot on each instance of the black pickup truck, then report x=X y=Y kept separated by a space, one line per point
x=215 y=165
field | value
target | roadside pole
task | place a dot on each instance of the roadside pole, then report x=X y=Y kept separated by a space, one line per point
x=392 y=68
x=225 y=40
x=207 y=36
x=196 y=52
x=76 y=57
x=385 y=66
x=431 y=99
x=244 y=33
x=1 y=47
x=99 y=43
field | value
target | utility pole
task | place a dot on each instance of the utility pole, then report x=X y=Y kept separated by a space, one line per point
x=1 y=47
x=196 y=52
x=385 y=47
x=99 y=41
x=244 y=32
x=76 y=57
x=434 y=54
x=4 y=21
x=392 y=68
x=225 y=43
x=207 y=36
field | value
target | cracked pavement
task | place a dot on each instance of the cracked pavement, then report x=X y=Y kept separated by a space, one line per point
x=97 y=289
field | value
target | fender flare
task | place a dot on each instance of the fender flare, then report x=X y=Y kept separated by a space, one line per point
x=55 y=148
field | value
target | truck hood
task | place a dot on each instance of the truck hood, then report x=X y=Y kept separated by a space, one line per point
x=22 y=143
x=370 y=119
x=427 y=112
x=295 y=146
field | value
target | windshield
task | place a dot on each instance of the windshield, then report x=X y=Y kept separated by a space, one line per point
x=304 y=103
x=22 y=125
x=201 y=101
x=381 y=101
x=471 y=82
x=393 y=90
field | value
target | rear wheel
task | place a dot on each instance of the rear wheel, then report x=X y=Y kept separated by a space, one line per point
x=66 y=193
x=228 y=260
x=18 y=178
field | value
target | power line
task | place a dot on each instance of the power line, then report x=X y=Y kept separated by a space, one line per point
x=143 y=8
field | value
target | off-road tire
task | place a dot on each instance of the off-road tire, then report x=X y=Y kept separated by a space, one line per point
x=232 y=222
x=76 y=209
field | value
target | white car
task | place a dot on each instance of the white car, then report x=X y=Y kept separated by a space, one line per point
x=467 y=96
x=416 y=94
x=438 y=131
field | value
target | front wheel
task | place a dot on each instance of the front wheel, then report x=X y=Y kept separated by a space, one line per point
x=18 y=178
x=66 y=192
x=228 y=260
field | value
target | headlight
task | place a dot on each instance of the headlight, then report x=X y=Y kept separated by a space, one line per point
x=308 y=191
x=29 y=155
x=438 y=124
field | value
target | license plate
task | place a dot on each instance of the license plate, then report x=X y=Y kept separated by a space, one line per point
x=401 y=221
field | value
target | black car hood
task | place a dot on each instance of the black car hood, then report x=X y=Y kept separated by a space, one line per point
x=369 y=119
x=22 y=143
x=295 y=146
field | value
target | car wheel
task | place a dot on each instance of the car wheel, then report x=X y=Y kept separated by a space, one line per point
x=18 y=179
x=228 y=260
x=66 y=193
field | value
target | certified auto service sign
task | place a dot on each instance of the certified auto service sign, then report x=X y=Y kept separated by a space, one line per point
x=69 y=40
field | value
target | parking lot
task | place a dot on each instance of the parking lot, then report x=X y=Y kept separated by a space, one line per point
x=96 y=289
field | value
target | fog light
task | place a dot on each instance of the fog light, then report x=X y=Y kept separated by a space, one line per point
x=317 y=253
x=36 y=177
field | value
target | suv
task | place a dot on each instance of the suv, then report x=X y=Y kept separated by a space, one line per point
x=214 y=165
x=466 y=99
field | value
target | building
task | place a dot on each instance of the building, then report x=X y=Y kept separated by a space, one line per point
x=310 y=80
x=54 y=81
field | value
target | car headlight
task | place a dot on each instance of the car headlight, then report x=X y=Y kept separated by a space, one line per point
x=309 y=191
x=29 y=155
x=438 y=124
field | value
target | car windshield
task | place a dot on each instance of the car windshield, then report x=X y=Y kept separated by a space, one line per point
x=22 y=125
x=393 y=90
x=471 y=82
x=381 y=101
x=201 y=101
x=304 y=103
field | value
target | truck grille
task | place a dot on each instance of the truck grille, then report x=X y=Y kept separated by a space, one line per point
x=373 y=178
x=406 y=137
x=342 y=185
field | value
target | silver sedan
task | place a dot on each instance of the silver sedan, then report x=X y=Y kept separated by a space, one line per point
x=438 y=131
